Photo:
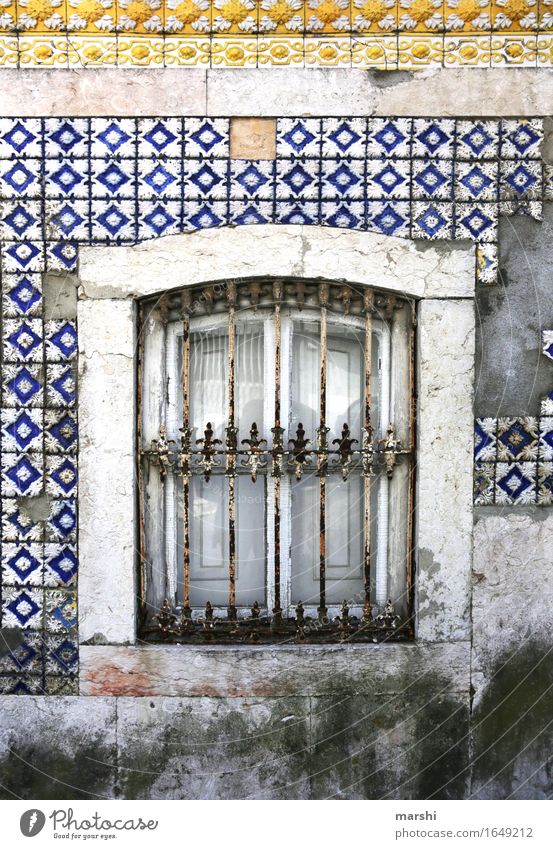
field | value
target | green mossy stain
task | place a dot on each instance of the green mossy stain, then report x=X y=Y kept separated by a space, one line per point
x=512 y=729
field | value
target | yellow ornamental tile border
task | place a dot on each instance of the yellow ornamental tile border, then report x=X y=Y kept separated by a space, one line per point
x=9 y=52
x=140 y=51
x=88 y=50
x=281 y=51
x=472 y=50
x=363 y=34
x=517 y=50
x=419 y=51
x=188 y=51
x=327 y=52
x=378 y=51
x=234 y=52
x=43 y=51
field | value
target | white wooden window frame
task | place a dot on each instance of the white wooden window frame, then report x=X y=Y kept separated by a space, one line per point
x=442 y=280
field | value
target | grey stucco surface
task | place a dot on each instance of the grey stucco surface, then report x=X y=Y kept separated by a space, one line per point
x=511 y=373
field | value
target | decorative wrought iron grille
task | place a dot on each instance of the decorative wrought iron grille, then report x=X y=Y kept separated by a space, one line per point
x=243 y=521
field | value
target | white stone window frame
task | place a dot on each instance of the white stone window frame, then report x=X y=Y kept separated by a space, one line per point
x=439 y=276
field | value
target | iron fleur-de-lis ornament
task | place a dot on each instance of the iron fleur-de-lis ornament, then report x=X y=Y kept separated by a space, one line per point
x=300 y=454
x=390 y=448
x=344 y=450
x=255 y=453
x=159 y=452
x=208 y=452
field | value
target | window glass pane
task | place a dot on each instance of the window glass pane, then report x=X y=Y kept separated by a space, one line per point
x=208 y=375
x=209 y=541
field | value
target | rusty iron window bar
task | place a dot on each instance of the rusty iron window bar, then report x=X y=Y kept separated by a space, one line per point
x=275 y=464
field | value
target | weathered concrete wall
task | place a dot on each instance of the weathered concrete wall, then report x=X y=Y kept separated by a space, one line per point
x=512 y=375
x=512 y=665
x=335 y=727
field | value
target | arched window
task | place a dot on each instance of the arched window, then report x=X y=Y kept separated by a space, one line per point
x=275 y=442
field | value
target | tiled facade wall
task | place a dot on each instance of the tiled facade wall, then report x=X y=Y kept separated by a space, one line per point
x=385 y=34
x=71 y=181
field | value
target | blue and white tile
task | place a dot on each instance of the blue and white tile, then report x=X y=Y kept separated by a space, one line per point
x=67 y=219
x=251 y=212
x=206 y=180
x=61 y=525
x=487 y=263
x=432 y=220
x=160 y=138
x=25 y=657
x=342 y=181
x=60 y=610
x=22 y=474
x=547 y=182
x=113 y=221
x=22 y=385
x=388 y=179
x=20 y=178
x=22 y=564
x=17 y=525
x=61 y=655
x=349 y=214
x=20 y=138
x=517 y=438
x=432 y=180
x=206 y=138
x=344 y=137
x=67 y=178
x=22 y=340
x=60 y=565
x=389 y=138
x=484 y=483
x=476 y=181
x=545 y=483
x=114 y=179
x=21 y=295
x=20 y=219
x=521 y=138
x=521 y=179
x=61 y=433
x=202 y=215
x=252 y=179
x=546 y=405
x=303 y=212
x=546 y=438
x=391 y=218
x=65 y=137
x=478 y=222
x=531 y=208
x=159 y=218
x=21 y=429
x=477 y=140
x=61 y=476
x=298 y=179
x=160 y=179
x=61 y=385
x=22 y=607
x=113 y=138
x=23 y=256
x=21 y=685
x=515 y=483
x=485 y=436
x=61 y=340
x=547 y=343
x=298 y=138
x=61 y=256
x=433 y=138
